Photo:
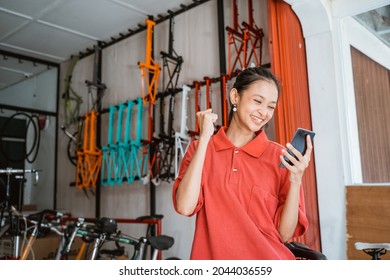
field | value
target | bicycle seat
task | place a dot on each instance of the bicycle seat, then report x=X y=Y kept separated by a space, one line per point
x=375 y=250
x=364 y=246
x=161 y=242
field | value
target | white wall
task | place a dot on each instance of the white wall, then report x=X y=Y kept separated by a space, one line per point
x=38 y=92
x=329 y=32
x=40 y=190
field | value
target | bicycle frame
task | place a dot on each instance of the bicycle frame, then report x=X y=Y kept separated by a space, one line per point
x=109 y=152
x=80 y=228
x=123 y=159
x=150 y=70
x=208 y=92
x=171 y=59
x=197 y=93
x=67 y=242
x=89 y=160
x=75 y=141
x=138 y=244
x=13 y=222
x=161 y=162
x=130 y=149
x=37 y=228
x=173 y=143
x=165 y=146
x=72 y=101
x=224 y=101
x=182 y=138
x=244 y=41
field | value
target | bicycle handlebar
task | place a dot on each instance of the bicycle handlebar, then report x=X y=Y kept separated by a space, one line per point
x=49 y=225
x=18 y=171
x=45 y=213
x=104 y=229
x=126 y=240
x=109 y=237
x=45 y=218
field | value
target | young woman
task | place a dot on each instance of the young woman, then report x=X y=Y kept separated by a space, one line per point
x=247 y=206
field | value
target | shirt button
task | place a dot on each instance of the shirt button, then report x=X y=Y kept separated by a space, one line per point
x=236 y=151
x=234 y=169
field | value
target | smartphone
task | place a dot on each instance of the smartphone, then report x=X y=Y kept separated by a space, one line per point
x=299 y=143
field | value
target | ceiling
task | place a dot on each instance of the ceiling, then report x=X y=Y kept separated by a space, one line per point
x=378 y=22
x=50 y=31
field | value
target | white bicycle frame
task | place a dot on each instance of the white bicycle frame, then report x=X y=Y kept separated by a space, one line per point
x=182 y=139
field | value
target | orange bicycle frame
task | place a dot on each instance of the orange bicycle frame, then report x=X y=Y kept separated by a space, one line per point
x=244 y=40
x=224 y=79
x=150 y=70
x=89 y=160
x=208 y=92
x=197 y=106
x=29 y=245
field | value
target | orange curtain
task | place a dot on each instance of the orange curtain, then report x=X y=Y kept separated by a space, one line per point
x=288 y=62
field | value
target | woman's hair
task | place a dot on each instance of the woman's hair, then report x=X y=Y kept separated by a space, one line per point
x=247 y=77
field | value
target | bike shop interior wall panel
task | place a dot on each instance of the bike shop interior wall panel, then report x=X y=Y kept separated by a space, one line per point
x=196 y=40
x=37 y=93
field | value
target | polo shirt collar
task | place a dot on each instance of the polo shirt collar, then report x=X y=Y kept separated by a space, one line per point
x=255 y=148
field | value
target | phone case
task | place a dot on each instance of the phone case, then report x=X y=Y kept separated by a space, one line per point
x=299 y=143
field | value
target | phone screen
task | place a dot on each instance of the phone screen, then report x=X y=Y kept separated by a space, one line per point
x=299 y=143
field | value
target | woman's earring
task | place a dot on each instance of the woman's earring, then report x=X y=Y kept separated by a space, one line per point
x=234 y=107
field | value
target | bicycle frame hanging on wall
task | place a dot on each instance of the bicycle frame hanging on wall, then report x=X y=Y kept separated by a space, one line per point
x=245 y=40
x=150 y=70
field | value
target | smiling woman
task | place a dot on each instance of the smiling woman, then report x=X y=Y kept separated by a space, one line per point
x=249 y=197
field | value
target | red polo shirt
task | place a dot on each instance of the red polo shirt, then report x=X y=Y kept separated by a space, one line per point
x=243 y=191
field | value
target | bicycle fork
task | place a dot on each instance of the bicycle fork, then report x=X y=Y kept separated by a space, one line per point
x=96 y=246
x=30 y=242
x=66 y=244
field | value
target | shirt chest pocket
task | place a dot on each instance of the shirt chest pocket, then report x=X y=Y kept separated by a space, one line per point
x=262 y=208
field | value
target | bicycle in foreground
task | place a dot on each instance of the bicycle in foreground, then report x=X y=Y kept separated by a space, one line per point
x=105 y=230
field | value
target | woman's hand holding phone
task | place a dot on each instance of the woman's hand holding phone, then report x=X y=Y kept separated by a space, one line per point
x=297 y=156
x=299 y=144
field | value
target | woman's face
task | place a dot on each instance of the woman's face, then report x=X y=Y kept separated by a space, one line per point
x=256 y=105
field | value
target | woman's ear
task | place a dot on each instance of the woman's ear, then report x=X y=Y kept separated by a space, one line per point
x=234 y=96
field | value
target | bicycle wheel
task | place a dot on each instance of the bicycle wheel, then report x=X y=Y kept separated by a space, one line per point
x=72 y=148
